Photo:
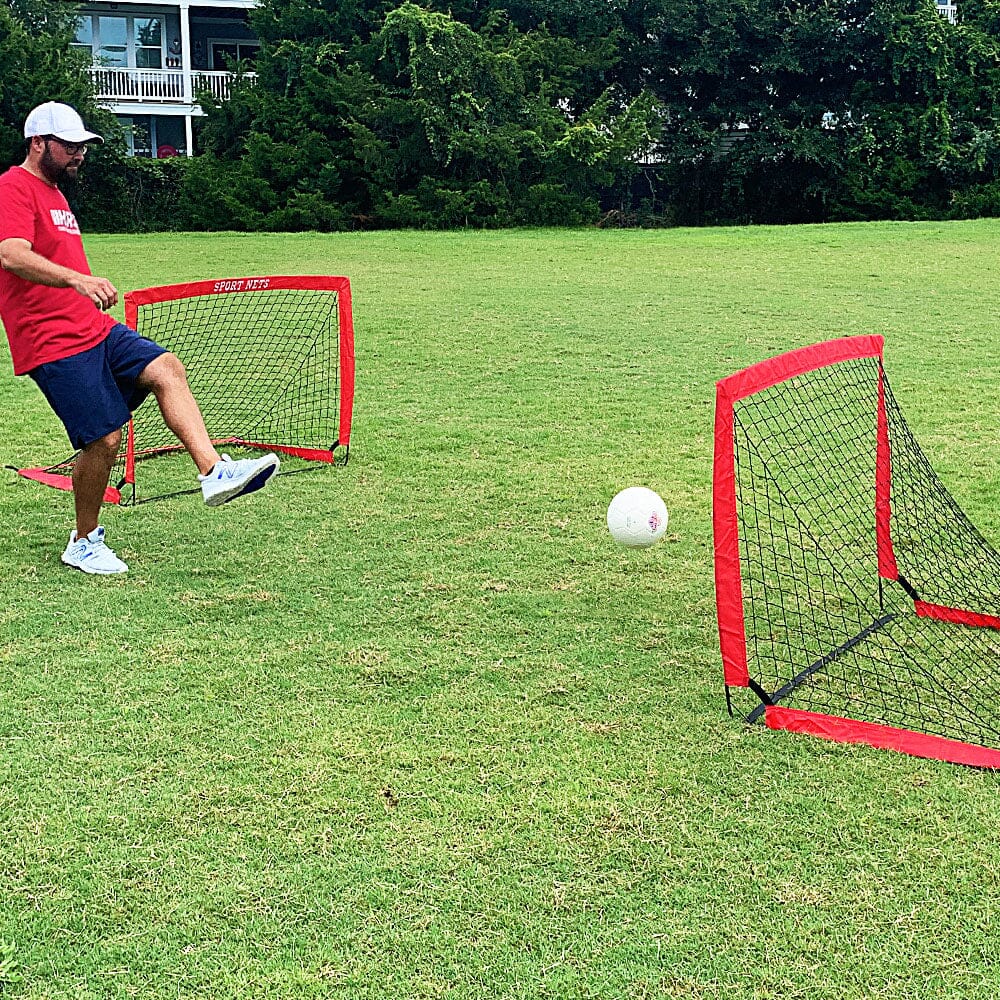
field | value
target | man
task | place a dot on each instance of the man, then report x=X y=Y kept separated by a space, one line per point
x=93 y=371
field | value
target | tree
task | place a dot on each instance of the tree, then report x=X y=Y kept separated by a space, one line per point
x=37 y=64
x=818 y=109
x=419 y=119
x=925 y=122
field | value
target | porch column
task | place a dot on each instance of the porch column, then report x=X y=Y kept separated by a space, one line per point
x=186 y=71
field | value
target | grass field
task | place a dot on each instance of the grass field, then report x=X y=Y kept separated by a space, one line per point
x=416 y=727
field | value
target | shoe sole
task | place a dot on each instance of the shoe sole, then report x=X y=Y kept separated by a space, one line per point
x=250 y=486
x=94 y=572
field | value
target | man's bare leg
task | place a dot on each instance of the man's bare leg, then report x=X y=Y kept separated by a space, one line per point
x=166 y=379
x=90 y=478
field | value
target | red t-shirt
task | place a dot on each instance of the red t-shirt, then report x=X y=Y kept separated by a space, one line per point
x=42 y=323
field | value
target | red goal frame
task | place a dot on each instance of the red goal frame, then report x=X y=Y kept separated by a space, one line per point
x=134 y=300
x=728 y=580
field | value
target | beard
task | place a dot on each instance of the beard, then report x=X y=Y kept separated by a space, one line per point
x=55 y=173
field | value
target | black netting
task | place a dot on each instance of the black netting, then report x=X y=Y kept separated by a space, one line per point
x=824 y=632
x=939 y=551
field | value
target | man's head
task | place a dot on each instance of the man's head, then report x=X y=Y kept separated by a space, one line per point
x=56 y=140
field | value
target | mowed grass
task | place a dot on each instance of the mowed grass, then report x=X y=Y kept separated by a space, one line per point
x=416 y=727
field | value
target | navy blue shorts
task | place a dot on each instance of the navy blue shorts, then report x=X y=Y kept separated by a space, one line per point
x=94 y=392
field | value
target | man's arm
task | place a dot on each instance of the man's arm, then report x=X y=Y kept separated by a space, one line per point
x=17 y=256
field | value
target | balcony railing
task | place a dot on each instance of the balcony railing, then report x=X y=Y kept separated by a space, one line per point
x=158 y=86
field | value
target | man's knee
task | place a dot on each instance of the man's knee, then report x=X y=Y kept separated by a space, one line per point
x=107 y=445
x=163 y=372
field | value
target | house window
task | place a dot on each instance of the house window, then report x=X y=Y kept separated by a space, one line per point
x=156 y=136
x=84 y=39
x=138 y=135
x=148 y=42
x=225 y=54
x=135 y=42
x=112 y=41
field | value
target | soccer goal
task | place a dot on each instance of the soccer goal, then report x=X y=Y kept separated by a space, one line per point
x=856 y=601
x=270 y=361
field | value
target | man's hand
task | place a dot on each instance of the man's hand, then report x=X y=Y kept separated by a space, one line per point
x=100 y=291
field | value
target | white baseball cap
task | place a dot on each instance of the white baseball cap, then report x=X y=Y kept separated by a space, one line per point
x=59 y=120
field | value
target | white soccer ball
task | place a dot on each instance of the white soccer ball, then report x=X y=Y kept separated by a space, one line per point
x=637 y=517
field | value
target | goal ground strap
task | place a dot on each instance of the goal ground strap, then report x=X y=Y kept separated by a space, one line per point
x=60 y=482
x=872 y=734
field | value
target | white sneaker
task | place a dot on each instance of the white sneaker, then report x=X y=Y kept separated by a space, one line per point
x=229 y=480
x=91 y=554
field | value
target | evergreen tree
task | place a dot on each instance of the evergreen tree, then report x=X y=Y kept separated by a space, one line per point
x=37 y=64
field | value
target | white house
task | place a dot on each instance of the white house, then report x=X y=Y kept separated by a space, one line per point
x=149 y=60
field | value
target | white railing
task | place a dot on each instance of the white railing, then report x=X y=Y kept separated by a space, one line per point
x=948 y=10
x=158 y=86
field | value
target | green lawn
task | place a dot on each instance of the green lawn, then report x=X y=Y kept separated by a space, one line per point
x=416 y=727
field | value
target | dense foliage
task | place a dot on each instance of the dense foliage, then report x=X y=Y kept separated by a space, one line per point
x=375 y=113
x=36 y=63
